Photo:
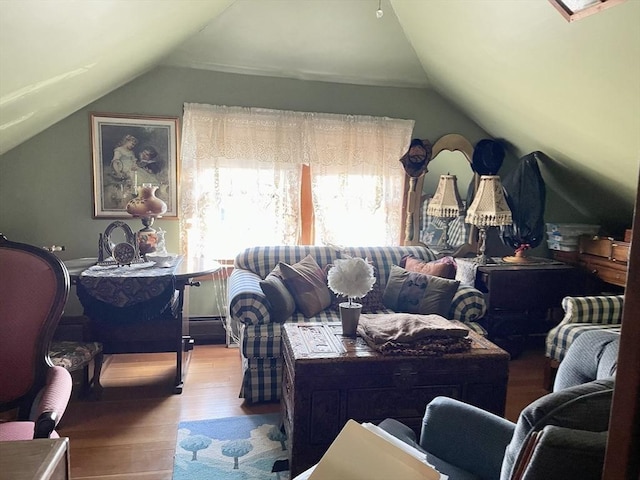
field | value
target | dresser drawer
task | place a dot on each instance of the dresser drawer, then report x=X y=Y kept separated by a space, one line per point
x=607 y=270
x=598 y=246
x=620 y=252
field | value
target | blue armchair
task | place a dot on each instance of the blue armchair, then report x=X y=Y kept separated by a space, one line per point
x=559 y=436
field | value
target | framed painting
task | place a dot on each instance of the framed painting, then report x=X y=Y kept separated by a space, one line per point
x=129 y=151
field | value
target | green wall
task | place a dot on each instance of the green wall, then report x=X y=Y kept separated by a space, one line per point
x=46 y=182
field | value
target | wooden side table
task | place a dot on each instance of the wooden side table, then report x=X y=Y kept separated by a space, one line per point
x=169 y=332
x=520 y=296
x=39 y=459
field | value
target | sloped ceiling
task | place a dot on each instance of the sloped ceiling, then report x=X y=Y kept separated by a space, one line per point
x=56 y=56
x=571 y=90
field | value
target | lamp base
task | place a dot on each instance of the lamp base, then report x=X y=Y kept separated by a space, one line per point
x=518 y=257
x=147 y=237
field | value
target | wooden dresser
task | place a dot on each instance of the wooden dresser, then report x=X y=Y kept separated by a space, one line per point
x=603 y=257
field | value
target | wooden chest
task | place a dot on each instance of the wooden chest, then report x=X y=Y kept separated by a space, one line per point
x=329 y=379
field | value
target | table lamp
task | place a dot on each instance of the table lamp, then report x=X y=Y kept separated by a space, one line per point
x=447 y=205
x=147 y=207
x=488 y=209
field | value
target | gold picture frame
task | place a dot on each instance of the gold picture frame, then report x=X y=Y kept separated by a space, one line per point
x=128 y=151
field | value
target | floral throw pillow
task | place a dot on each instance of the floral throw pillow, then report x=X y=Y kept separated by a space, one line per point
x=307 y=283
x=411 y=292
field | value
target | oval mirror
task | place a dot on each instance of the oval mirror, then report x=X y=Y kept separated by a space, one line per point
x=452 y=155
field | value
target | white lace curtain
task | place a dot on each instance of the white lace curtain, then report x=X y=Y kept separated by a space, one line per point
x=240 y=180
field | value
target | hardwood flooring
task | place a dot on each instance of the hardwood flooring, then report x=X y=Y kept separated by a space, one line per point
x=131 y=432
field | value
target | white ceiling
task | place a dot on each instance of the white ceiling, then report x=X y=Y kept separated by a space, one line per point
x=571 y=90
x=331 y=40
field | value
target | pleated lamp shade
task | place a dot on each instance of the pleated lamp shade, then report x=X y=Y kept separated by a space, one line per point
x=446 y=201
x=489 y=207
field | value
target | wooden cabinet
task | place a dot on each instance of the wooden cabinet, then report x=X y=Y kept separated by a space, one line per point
x=519 y=297
x=40 y=459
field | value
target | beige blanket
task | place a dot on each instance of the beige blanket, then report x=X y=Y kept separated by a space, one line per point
x=413 y=334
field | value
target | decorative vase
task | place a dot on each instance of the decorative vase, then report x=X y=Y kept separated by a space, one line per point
x=350 y=315
x=147 y=206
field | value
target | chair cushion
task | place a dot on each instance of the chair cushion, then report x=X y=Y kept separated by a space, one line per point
x=73 y=355
x=558 y=342
x=10 y=431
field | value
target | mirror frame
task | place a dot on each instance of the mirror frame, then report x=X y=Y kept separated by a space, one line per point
x=455 y=143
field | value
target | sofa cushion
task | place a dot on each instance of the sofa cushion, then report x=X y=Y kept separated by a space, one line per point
x=281 y=302
x=413 y=292
x=444 y=267
x=307 y=283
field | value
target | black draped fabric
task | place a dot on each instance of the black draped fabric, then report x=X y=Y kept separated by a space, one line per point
x=120 y=293
x=526 y=194
x=101 y=310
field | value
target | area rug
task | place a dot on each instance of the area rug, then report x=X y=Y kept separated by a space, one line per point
x=247 y=447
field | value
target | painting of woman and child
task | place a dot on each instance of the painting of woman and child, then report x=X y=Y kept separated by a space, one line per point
x=129 y=151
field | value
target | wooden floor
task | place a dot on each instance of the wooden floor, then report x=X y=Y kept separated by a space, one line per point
x=131 y=432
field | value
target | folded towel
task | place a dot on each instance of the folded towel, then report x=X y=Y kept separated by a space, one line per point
x=413 y=334
x=407 y=327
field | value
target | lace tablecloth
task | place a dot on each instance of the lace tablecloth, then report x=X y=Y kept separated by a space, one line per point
x=118 y=292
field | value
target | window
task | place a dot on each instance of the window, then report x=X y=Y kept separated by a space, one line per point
x=267 y=177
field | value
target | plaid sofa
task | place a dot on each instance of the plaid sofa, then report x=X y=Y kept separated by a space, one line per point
x=583 y=314
x=260 y=338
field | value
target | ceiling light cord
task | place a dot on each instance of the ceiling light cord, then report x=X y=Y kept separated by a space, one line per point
x=379 y=12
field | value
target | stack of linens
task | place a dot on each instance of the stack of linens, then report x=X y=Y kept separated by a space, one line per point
x=413 y=334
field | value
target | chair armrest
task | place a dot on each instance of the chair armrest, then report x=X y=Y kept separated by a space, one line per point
x=247 y=303
x=465 y=436
x=558 y=453
x=467 y=305
x=401 y=432
x=599 y=309
x=52 y=400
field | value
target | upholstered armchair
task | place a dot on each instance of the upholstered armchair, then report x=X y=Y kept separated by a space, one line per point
x=581 y=314
x=561 y=436
x=33 y=393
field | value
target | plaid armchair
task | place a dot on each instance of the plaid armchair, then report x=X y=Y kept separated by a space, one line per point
x=582 y=314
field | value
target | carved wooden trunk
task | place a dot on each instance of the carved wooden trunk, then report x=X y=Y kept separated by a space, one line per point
x=329 y=379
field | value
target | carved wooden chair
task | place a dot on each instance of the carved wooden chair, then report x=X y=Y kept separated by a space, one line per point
x=33 y=392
